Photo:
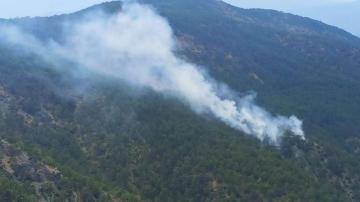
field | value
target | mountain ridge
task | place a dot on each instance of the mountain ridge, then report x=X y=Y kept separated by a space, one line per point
x=111 y=144
x=115 y=5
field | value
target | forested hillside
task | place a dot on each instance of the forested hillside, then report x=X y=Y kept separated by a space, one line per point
x=86 y=137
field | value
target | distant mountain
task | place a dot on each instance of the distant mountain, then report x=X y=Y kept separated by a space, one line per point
x=69 y=137
x=344 y=15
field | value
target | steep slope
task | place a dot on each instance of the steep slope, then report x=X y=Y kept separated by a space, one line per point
x=107 y=139
x=111 y=144
x=293 y=63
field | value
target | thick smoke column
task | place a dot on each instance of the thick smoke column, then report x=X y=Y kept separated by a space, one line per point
x=137 y=46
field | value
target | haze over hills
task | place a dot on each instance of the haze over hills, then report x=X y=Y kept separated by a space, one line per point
x=343 y=14
x=86 y=134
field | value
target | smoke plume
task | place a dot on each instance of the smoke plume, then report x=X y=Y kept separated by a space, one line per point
x=137 y=46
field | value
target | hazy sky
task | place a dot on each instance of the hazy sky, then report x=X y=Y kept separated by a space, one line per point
x=16 y=8
x=341 y=13
x=288 y=4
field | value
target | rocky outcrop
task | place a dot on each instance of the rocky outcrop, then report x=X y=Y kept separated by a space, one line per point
x=20 y=166
x=4 y=101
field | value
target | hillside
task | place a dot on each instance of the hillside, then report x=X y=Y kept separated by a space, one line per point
x=83 y=137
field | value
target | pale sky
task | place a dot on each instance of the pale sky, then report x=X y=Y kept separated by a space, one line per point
x=287 y=4
x=342 y=13
x=21 y=8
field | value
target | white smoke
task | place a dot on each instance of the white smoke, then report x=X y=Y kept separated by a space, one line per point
x=137 y=46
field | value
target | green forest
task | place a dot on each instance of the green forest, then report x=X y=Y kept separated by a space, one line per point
x=83 y=137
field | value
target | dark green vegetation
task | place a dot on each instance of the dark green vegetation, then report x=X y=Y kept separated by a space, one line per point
x=112 y=142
